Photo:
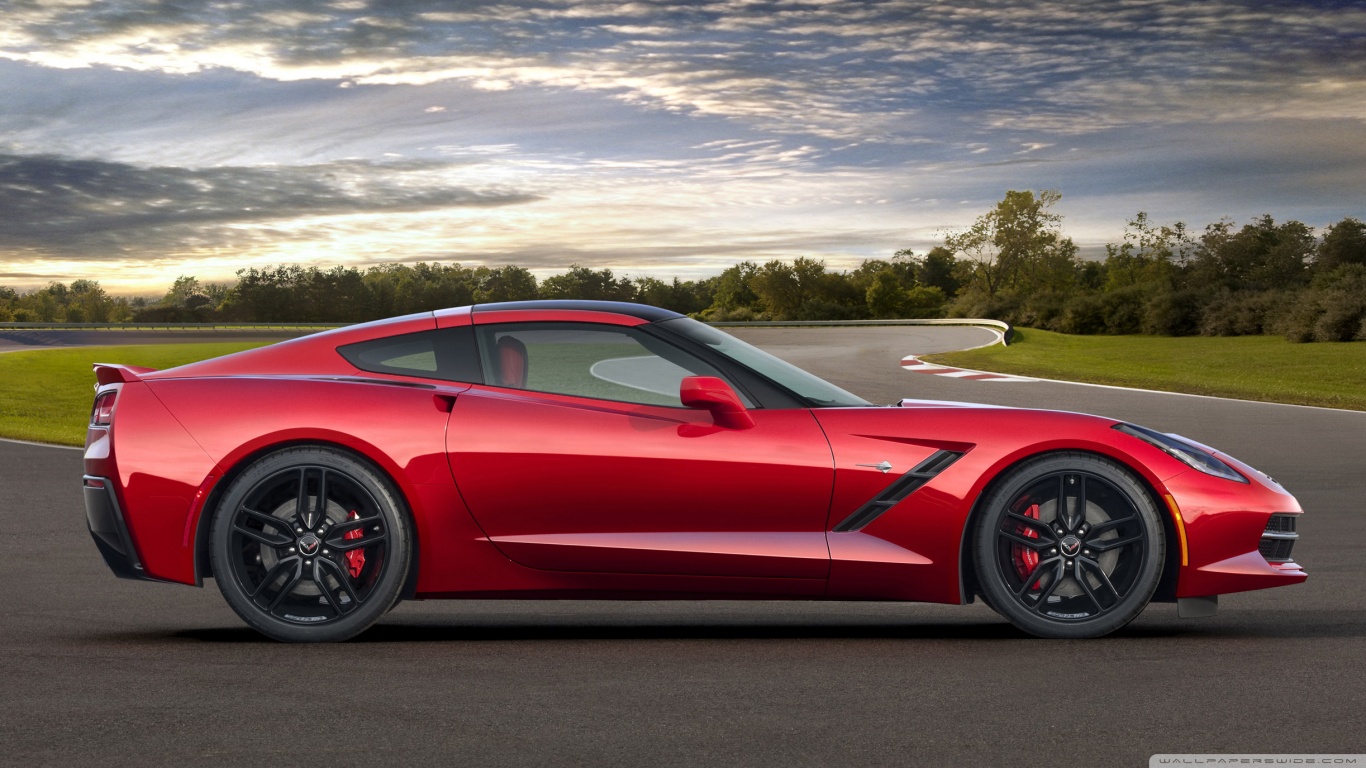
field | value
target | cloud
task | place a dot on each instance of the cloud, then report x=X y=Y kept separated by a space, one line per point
x=838 y=70
x=65 y=206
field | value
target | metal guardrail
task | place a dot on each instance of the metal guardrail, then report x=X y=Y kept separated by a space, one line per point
x=1004 y=328
x=165 y=326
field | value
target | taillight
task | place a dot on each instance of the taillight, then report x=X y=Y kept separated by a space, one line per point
x=103 y=412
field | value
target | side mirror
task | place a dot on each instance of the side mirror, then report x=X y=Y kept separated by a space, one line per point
x=716 y=396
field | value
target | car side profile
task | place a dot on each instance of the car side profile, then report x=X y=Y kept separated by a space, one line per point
x=570 y=449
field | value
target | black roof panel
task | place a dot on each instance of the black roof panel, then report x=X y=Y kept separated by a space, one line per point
x=643 y=311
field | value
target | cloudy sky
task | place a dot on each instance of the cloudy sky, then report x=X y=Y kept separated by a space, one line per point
x=144 y=140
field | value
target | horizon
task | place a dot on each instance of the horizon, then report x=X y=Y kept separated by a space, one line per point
x=142 y=141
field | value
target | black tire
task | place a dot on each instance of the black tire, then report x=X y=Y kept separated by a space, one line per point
x=1070 y=575
x=300 y=571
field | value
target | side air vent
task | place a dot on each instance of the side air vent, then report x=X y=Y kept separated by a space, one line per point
x=1278 y=539
x=899 y=489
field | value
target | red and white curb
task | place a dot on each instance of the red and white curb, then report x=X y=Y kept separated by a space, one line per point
x=914 y=364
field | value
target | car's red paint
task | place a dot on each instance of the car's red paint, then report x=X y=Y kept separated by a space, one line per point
x=561 y=483
x=515 y=493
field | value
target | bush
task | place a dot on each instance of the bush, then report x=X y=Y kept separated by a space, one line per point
x=1174 y=313
x=1083 y=314
x=1124 y=309
x=1333 y=309
x=1244 y=314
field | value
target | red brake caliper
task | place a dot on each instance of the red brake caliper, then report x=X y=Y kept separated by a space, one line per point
x=355 y=559
x=1025 y=559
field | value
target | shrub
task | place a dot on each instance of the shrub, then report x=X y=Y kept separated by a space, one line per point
x=1243 y=314
x=1174 y=313
x=1083 y=314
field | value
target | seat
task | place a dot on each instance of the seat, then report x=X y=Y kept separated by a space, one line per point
x=512 y=363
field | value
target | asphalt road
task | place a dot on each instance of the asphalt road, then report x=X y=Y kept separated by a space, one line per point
x=98 y=671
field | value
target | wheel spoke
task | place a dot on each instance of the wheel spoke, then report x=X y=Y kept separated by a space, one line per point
x=343 y=578
x=1038 y=525
x=270 y=540
x=321 y=582
x=301 y=500
x=288 y=587
x=1100 y=528
x=1109 y=544
x=273 y=574
x=337 y=536
x=1052 y=585
x=1086 y=585
x=1100 y=575
x=342 y=545
x=1080 y=517
x=1034 y=575
x=320 y=503
x=1025 y=541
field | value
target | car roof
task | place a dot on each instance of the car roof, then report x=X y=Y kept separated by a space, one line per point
x=643 y=311
x=316 y=354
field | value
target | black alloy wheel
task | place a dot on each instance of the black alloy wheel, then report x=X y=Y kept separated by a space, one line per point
x=310 y=545
x=1069 y=545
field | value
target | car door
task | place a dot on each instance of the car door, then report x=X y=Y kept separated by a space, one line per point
x=576 y=454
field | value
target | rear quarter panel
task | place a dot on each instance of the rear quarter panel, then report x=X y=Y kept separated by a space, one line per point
x=232 y=419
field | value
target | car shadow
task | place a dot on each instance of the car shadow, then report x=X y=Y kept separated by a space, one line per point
x=552 y=632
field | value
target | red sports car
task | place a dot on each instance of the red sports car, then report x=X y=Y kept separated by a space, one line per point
x=604 y=450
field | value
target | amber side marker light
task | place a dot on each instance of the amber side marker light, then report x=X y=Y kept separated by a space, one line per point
x=1180 y=528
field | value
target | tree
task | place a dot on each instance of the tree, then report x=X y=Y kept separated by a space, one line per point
x=1343 y=243
x=1015 y=246
x=1260 y=256
x=1149 y=255
x=731 y=291
x=510 y=283
x=886 y=298
x=936 y=270
x=583 y=283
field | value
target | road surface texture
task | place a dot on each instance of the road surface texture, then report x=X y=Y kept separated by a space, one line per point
x=98 y=671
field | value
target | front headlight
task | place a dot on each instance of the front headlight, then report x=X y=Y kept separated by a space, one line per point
x=1191 y=455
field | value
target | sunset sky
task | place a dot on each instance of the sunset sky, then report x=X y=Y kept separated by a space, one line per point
x=144 y=140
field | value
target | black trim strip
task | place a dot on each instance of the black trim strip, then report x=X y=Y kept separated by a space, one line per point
x=899 y=489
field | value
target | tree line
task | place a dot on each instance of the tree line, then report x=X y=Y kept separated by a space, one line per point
x=1013 y=263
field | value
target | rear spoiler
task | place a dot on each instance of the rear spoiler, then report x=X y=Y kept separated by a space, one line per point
x=112 y=373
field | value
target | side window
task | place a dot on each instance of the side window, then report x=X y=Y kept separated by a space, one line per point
x=447 y=354
x=586 y=360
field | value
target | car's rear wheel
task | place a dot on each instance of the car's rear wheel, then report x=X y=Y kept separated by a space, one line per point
x=310 y=545
x=1068 y=545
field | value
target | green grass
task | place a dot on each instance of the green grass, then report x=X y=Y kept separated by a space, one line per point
x=1266 y=368
x=45 y=395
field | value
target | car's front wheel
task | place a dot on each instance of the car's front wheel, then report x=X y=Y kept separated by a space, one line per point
x=310 y=545
x=1068 y=545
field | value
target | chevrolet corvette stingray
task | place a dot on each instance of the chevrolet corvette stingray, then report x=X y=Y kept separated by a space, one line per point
x=571 y=449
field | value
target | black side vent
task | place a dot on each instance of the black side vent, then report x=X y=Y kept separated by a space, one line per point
x=1281 y=524
x=1279 y=538
x=899 y=489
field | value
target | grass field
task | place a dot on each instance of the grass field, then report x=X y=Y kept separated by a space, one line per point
x=45 y=395
x=1248 y=367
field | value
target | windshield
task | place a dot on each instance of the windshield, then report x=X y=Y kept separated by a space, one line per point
x=817 y=392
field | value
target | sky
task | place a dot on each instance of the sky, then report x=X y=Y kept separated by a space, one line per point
x=140 y=141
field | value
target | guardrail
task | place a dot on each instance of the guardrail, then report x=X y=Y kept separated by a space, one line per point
x=166 y=326
x=1003 y=328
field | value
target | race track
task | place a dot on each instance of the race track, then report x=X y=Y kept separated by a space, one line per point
x=98 y=671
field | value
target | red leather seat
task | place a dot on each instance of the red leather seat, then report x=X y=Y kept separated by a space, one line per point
x=512 y=363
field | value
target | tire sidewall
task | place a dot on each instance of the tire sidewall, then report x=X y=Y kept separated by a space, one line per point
x=991 y=581
x=386 y=591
